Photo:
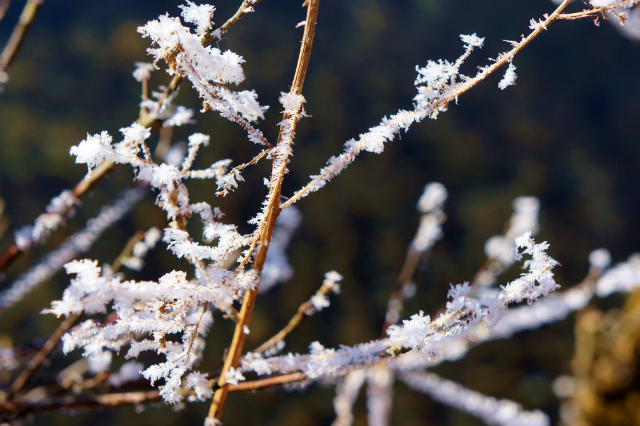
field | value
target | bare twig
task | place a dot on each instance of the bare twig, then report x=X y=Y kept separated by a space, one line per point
x=40 y=357
x=399 y=295
x=78 y=403
x=304 y=310
x=245 y=8
x=11 y=50
x=12 y=409
x=265 y=383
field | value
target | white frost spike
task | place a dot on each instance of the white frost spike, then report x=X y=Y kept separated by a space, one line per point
x=524 y=218
x=245 y=103
x=135 y=133
x=412 y=332
x=509 y=78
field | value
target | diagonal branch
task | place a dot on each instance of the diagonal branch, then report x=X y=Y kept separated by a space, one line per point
x=461 y=88
x=265 y=230
x=11 y=50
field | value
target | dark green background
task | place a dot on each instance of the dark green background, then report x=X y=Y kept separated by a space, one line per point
x=567 y=133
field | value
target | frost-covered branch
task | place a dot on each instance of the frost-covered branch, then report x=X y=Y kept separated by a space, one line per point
x=292 y=102
x=420 y=334
x=346 y=396
x=439 y=83
x=499 y=412
x=71 y=248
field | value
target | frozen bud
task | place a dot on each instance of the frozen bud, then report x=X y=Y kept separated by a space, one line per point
x=600 y=258
x=472 y=40
x=143 y=71
x=499 y=248
x=433 y=197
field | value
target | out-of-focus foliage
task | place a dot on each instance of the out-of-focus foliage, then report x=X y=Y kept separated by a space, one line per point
x=605 y=367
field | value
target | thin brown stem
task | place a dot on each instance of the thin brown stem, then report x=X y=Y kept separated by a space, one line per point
x=399 y=294
x=4 y=5
x=126 y=252
x=245 y=8
x=268 y=224
x=36 y=362
x=146 y=95
x=268 y=382
x=18 y=408
x=305 y=310
x=16 y=41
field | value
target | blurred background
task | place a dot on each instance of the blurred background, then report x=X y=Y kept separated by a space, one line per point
x=566 y=133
